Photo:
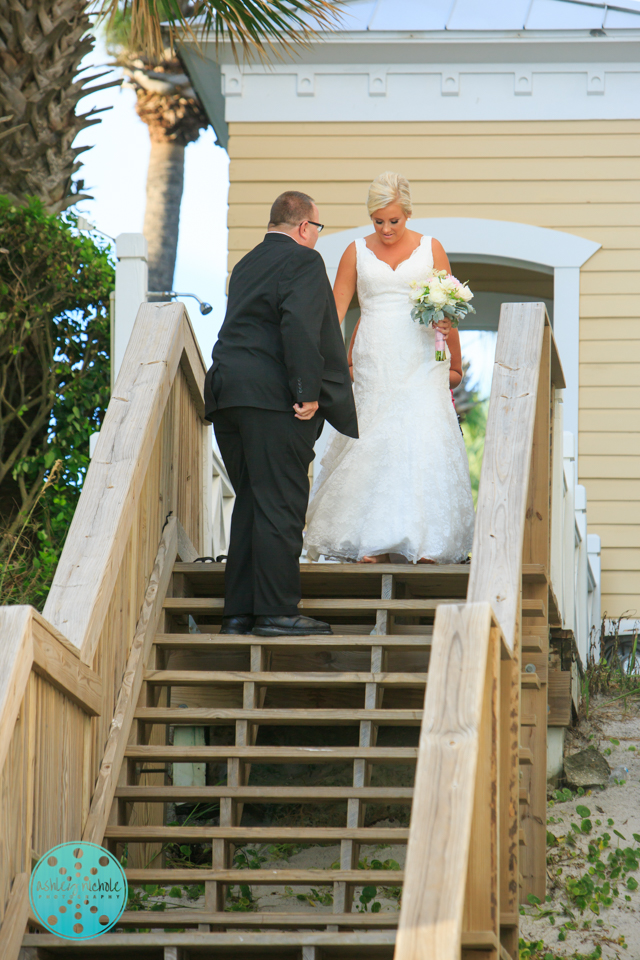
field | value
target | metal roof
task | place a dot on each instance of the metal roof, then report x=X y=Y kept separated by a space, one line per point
x=496 y=15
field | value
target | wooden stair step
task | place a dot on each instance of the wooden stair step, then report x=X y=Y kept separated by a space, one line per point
x=190 y=678
x=534 y=608
x=209 y=716
x=262 y=877
x=338 y=571
x=204 y=641
x=284 y=834
x=170 y=794
x=328 y=605
x=479 y=940
x=268 y=754
x=247 y=941
x=531 y=572
x=178 y=918
x=530 y=681
x=332 y=606
x=534 y=644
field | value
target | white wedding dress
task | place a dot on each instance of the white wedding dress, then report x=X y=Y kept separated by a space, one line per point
x=403 y=487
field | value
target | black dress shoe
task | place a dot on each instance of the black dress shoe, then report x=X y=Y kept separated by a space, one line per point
x=237 y=624
x=296 y=626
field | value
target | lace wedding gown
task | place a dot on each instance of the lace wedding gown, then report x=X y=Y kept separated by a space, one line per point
x=403 y=487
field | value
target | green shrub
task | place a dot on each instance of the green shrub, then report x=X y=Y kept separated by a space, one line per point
x=54 y=385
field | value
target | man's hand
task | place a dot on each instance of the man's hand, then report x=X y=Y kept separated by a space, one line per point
x=444 y=326
x=304 y=411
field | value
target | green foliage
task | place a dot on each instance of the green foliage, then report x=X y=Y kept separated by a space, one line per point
x=241 y=901
x=54 y=384
x=249 y=858
x=474 y=428
x=561 y=796
x=368 y=902
x=589 y=872
x=250 y=27
x=615 y=674
x=536 y=950
x=322 y=897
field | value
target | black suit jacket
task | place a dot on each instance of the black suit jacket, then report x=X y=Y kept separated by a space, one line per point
x=280 y=342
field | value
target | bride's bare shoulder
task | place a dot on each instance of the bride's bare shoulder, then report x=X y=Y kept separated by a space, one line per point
x=440 y=258
x=349 y=256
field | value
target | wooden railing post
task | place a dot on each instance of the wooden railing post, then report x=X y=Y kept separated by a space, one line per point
x=443 y=806
x=482 y=897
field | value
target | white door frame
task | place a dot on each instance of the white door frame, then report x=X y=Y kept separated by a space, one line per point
x=517 y=245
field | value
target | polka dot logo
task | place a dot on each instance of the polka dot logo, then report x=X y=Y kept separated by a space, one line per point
x=78 y=890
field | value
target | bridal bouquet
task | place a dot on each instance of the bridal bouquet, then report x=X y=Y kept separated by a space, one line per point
x=440 y=295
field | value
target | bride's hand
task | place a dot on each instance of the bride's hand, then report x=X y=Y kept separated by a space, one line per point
x=444 y=326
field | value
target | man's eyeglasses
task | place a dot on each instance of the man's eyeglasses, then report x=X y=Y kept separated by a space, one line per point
x=320 y=226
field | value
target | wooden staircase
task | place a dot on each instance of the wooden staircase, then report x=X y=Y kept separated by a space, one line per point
x=266 y=703
x=376 y=793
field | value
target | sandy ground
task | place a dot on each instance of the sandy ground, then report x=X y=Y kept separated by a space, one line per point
x=618 y=924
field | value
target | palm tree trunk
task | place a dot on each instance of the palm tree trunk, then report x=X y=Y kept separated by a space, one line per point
x=41 y=46
x=165 y=180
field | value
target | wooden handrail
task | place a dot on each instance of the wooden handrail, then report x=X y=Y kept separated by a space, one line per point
x=162 y=339
x=462 y=857
x=504 y=481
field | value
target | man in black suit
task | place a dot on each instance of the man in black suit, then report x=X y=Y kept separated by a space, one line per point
x=279 y=370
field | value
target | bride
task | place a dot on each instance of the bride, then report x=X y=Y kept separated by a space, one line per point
x=402 y=489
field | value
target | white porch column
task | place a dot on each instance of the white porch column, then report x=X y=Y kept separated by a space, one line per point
x=594 y=558
x=569 y=535
x=582 y=575
x=566 y=330
x=131 y=291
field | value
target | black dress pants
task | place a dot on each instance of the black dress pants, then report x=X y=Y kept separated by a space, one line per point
x=267 y=455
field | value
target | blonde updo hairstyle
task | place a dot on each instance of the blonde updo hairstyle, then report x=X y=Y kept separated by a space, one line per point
x=389 y=188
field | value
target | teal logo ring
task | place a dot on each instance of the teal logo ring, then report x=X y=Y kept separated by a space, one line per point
x=78 y=890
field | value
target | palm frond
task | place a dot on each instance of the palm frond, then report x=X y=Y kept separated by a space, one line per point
x=251 y=27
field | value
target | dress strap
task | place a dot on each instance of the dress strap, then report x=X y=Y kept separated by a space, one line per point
x=360 y=249
x=425 y=243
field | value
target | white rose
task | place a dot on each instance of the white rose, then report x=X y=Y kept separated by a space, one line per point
x=449 y=284
x=465 y=294
x=416 y=292
x=438 y=296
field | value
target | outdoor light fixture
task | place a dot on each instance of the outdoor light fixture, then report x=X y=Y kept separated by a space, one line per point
x=205 y=308
x=87 y=227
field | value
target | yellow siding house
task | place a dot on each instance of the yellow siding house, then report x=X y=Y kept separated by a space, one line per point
x=518 y=124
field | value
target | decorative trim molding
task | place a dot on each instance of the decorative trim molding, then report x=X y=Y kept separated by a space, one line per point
x=388 y=92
